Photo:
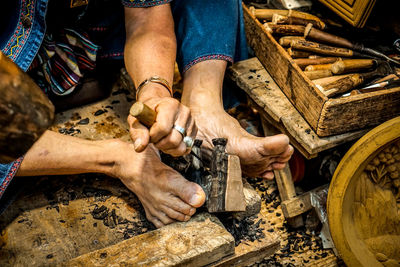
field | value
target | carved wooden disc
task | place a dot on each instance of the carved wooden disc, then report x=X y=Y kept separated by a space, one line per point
x=364 y=199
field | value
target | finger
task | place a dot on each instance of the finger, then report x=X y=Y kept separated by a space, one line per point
x=173 y=214
x=166 y=113
x=139 y=134
x=177 y=152
x=268 y=175
x=191 y=128
x=171 y=144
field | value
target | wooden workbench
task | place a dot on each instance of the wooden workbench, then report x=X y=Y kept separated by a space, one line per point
x=93 y=219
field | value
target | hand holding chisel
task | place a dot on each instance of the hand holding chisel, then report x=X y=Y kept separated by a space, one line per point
x=148 y=117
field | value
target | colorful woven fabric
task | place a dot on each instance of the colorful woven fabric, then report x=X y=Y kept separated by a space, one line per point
x=62 y=61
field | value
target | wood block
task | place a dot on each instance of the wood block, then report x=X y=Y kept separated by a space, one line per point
x=300 y=204
x=234 y=196
x=249 y=253
x=225 y=184
x=198 y=242
x=253 y=202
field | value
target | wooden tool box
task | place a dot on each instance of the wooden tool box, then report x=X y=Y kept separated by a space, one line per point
x=327 y=116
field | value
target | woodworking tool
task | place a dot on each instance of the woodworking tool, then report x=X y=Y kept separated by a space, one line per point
x=267 y=14
x=352 y=65
x=147 y=117
x=351 y=81
x=223 y=185
x=311 y=32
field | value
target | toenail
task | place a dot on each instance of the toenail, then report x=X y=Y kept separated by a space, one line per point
x=187 y=218
x=195 y=200
x=137 y=143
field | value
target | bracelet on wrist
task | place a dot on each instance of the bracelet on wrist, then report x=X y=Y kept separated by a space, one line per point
x=154 y=79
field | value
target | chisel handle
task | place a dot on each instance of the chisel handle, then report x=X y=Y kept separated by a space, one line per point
x=352 y=65
x=342 y=85
x=143 y=113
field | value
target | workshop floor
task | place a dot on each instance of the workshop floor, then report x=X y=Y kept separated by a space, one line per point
x=107 y=119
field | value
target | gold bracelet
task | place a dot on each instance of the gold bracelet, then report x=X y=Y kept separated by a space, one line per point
x=154 y=79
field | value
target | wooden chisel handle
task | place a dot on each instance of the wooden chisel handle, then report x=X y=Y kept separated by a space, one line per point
x=303 y=62
x=284 y=29
x=279 y=19
x=316 y=74
x=319 y=67
x=352 y=65
x=321 y=48
x=268 y=13
x=143 y=113
x=298 y=53
x=342 y=85
x=312 y=33
x=327 y=80
x=286 y=40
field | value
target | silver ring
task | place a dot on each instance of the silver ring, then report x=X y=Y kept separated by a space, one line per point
x=188 y=141
x=180 y=129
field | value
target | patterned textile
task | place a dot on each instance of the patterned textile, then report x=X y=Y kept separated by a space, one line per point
x=10 y=169
x=62 y=61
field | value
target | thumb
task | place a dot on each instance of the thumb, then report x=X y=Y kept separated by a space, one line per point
x=139 y=133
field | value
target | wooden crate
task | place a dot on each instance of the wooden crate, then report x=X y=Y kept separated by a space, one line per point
x=326 y=116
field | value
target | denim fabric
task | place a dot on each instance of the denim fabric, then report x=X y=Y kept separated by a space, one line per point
x=208 y=29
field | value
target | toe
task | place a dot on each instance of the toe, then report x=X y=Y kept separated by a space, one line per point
x=157 y=223
x=268 y=175
x=278 y=166
x=180 y=206
x=275 y=145
x=175 y=214
x=189 y=192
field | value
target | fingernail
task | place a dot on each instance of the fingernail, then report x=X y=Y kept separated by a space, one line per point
x=137 y=143
x=195 y=200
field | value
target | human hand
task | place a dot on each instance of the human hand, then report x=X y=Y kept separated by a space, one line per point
x=173 y=121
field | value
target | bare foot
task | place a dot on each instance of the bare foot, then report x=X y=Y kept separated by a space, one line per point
x=203 y=95
x=258 y=156
x=165 y=195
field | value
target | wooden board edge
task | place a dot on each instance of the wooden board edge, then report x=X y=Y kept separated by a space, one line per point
x=365 y=106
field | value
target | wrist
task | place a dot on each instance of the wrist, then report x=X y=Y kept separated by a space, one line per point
x=154 y=86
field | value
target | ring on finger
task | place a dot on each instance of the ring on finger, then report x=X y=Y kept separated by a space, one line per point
x=180 y=129
x=188 y=141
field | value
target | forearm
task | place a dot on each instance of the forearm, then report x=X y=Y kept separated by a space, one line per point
x=57 y=154
x=150 y=47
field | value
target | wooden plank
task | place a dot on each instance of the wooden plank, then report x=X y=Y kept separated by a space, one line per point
x=300 y=204
x=296 y=86
x=275 y=108
x=287 y=192
x=363 y=110
x=198 y=242
x=248 y=253
x=54 y=223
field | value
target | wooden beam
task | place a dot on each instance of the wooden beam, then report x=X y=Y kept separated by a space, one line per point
x=198 y=242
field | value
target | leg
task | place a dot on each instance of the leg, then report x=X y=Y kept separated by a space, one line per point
x=166 y=196
x=202 y=93
x=204 y=47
